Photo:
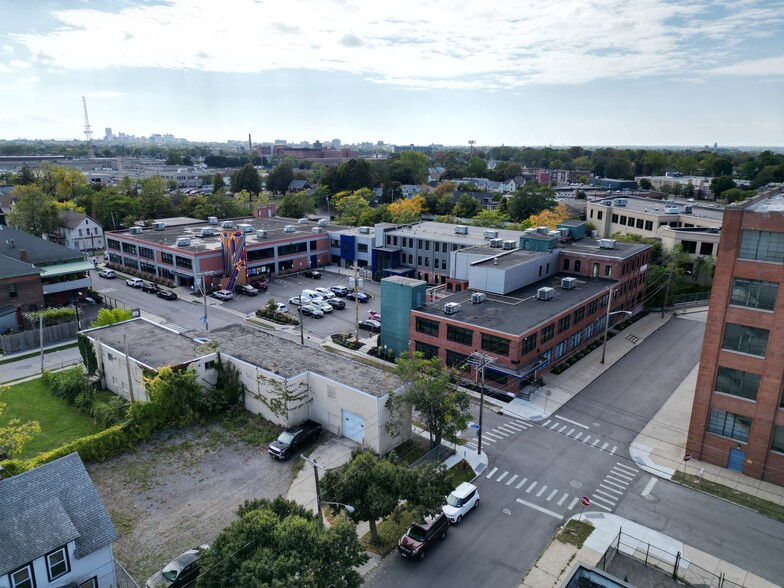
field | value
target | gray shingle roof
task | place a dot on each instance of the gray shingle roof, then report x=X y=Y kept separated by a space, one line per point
x=70 y=219
x=39 y=251
x=11 y=268
x=45 y=508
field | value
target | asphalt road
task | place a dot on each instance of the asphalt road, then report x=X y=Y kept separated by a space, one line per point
x=32 y=366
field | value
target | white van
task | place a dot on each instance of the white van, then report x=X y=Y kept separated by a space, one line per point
x=311 y=295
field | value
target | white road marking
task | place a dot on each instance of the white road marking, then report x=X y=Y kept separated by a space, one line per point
x=613 y=450
x=471 y=445
x=618 y=492
x=501 y=477
x=531 y=487
x=540 y=509
x=541 y=491
x=601 y=506
x=586 y=438
x=520 y=483
x=572 y=503
x=547 y=422
x=491 y=435
x=595 y=443
x=623 y=475
x=488 y=439
x=578 y=435
x=573 y=422
x=510 y=480
x=609 y=477
x=553 y=493
x=595 y=498
x=564 y=497
x=554 y=425
x=648 y=487
x=561 y=430
x=612 y=499
x=622 y=487
x=605 y=446
x=498 y=431
x=625 y=467
x=570 y=432
x=510 y=428
x=523 y=423
x=492 y=473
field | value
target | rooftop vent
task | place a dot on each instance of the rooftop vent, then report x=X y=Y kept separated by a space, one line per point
x=530 y=232
x=478 y=297
x=206 y=232
x=509 y=244
x=688 y=209
x=245 y=228
x=289 y=229
x=303 y=221
x=183 y=242
x=364 y=230
x=461 y=229
x=213 y=220
x=135 y=230
x=542 y=230
x=606 y=243
x=227 y=224
x=621 y=202
x=564 y=233
x=261 y=234
x=451 y=308
x=317 y=230
x=159 y=226
x=670 y=210
x=545 y=293
x=568 y=283
x=323 y=222
x=554 y=233
x=491 y=234
x=496 y=243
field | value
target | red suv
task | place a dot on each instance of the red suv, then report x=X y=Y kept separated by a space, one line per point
x=420 y=536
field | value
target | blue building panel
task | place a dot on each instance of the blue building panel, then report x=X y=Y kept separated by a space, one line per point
x=347 y=247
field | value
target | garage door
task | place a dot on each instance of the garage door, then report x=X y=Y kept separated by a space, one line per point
x=353 y=426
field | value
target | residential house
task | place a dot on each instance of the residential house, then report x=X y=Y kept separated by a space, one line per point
x=78 y=231
x=54 y=529
x=298 y=186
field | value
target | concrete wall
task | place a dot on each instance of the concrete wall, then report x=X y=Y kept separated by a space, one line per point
x=502 y=280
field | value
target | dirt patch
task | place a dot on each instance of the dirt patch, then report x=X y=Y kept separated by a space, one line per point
x=180 y=489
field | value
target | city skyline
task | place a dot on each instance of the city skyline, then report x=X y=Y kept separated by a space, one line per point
x=609 y=73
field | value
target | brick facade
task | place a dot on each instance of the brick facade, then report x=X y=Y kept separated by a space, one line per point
x=28 y=292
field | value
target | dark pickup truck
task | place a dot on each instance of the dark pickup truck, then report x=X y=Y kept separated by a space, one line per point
x=290 y=441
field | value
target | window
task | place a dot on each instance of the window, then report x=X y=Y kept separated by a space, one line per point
x=599 y=214
x=292 y=248
x=435 y=264
x=563 y=323
x=608 y=270
x=459 y=335
x=589 y=330
x=146 y=252
x=614 y=218
x=113 y=244
x=362 y=248
x=728 y=424
x=566 y=264
x=57 y=563
x=314 y=245
x=529 y=343
x=560 y=349
x=498 y=378
x=623 y=219
x=256 y=254
x=208 y=365
x=577 y=265
x=427 y=326
x=130 y=262
x=778 y=440
x=12 y=293
x=427 y=262
x=91 y=583
x=428 y=351
x=754 y=293
x=689 y=246
x=547 y=333
x=640 y=223
x=745 y=339
x=706 y=248
x=762 y=246
x=575 y=340
x=419 y=260
x=80 y=232
x=630 y=222
x=648 y=225
x=592 y=306
x=737 y=383
x=167 y=258
x=436 y=246
x=23 y=577
x=495 y=344
x=184 y=262
x=595 y=270
x=394 y=241
x=454 y=359
x=579 y=314
x=129 y=248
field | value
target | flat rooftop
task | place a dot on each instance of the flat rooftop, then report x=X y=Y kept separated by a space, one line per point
x=520 y=311
x=622 y=250
x=446 y=232
x=774 y=203
x=192 y=230
x=653 y=206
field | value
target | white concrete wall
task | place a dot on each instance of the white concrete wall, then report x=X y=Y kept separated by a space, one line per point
x=98 y=564
x=259 y=392
x=115 y=374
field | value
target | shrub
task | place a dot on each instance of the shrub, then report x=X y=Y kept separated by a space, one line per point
x=228 y=392
x=67 y=384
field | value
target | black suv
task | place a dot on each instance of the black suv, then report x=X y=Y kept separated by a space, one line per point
x=420 y=536
x=293 y=439
x=151 y=287
x=312 y=274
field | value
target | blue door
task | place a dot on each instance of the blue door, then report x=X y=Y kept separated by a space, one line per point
x=313 y=261
x=736 y=460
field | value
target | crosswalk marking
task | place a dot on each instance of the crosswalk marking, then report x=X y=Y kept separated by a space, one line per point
x=578 y=435
x=622 y=474
x=498 y=431
x=619 y=492
x=510 y=428
x=572 y=503
x=564 y=497
x=569 y=434
x=531 y=487
x=510 y=480
x=490 y=435
x=541 y=491
x=613 y=450
x=612 y=499
x=627 y=468
x=501 y=477
x=520 y=483
x=605 y=446
x=601 y=506
x=488 y=439
x=621 y=486
x=561 y=430
x=553 y=493
x=621 y=481
x=554 y=425
x=492 y=473
x=599 y=500
x=547 y=422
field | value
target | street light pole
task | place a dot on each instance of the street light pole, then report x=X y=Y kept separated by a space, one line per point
x=482 y=360
x=607 y=323
x=316 y=466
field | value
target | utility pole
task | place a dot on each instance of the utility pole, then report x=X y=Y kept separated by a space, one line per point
x=606 y=323
x=204 y=301
x=41 y=336
x=301 y=326
x=480 y=360
x=356 y=301
x=667 y=289
x=128 y=367
x=316 y=467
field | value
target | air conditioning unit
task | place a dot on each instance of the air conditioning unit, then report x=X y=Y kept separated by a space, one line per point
x=509 y=244
x=490 y=234
x=245 y=228
x=606 y=243
x=303 y=221
x=159 y=226
x=364 y=230
x=461 y=229
x=478 y=297
x=553 y=233
x=545 y=293
x=323 y=222
x=688 y=209
x=317 y=230
x=183 y=242
x=261 y=234
x=530 y=232
x=564 y=233
x=621 y=202
x=451 y=308
x=542 y=230
x=568 y=283
x=213 y=220
x=496 y=243
x=670 y=210
x=289 y=229
x=227 y=224
x=206 y=232
x=135 y=230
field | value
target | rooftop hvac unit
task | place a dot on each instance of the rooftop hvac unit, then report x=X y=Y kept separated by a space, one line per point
x=491 y=234
x=364 y=230
x=317 y=230
x=213 y=220
x=289 y=229
x=206 y=232
x=227 y=224
x=621 y=202
x=509 y=244
x=245 y=228
x=688 y=209
x=496 y=243
x=545 y=293
x=606 y=243
x=159 y=226
x=303 y=221
x=323 y=222
x=461 y=229
x=530 y=232
x=183 y=242
x=542 y=230
x=451 y=308
x=135 y=230
x=553 y=233
x=478 y=297
x=568 y=283
x=564 y=233
x=670 y=210
x=261 y=234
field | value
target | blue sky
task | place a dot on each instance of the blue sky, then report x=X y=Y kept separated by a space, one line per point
x=533 y=72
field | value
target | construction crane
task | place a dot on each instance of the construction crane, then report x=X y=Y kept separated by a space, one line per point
x=87 y=131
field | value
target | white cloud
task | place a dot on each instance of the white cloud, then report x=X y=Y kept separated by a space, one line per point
x=771 y=66
x=447 y=44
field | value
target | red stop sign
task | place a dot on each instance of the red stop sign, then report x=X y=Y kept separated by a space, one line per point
x=585 y=500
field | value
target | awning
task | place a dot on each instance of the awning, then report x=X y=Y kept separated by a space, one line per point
x=67 y=267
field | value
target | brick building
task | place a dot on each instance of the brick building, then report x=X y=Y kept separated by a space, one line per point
x=737 y=419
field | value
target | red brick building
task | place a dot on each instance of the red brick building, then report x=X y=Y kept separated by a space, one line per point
x=737 y=420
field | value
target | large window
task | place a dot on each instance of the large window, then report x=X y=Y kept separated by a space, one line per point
x=454 y=359
x=563 y=323
x=547 y=333
x=778 y=440
x=560 y=349
x=728 y=424
x=292 y=248
x=495 y=344
x=256 y=254
x=579 y=314
x=184 y=262
x=113 y=244
x=23 y=577
x=575 y=340
x=57 y=563
x=167 y=258
x=129 y=248
x=146 y=252
x=745 y=339
x=12 y=291
x=592 y=306
x=754 y=293
x=427 y=326
x=737 y=383
x=762 y=246
x=427 y=350
x=459 y=335
x=529 y=344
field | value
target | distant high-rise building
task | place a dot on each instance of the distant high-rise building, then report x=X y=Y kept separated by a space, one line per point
x=108 y=136
x=336 y=143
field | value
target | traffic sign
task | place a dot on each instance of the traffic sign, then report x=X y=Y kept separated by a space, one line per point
x=473 y=425
x=585 y=500
x=687 y=457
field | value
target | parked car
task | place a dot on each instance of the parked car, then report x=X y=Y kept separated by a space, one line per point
x=167 y=295
x=312 y=310
x=134 y=282
x=310 y=295
x=246 y=289
x=460 y=501
x=282 y=307
x=325 y=293
x=107 y=273
x=288 y=442
x=359 y=295
x=151 y=287
x=421 y=536
x=223 y=294
x=179 y=572
x=339 y=290
x=323 y=305
x=375 y=315
x=313 y=274
x=370 y=325
x=336 y=303
x=260 y=285
x=295 y=301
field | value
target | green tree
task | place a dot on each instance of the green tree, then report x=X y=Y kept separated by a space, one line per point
x=375 y=487
x=14 y=433
x=35 y=212
x=467 y=206
x=25 y=177
x=352 y=175
x=476 y=167
x=246 y=178
x=69 y=183
x=352 y=208
x=720 y=166
x=409 y=167
x=109 y=317
x=273 y=544
x=218 y=183
x=442 y=407
x=114 y=209
x=492 y=219
x=644 y=183
x=279 y=178
x=153 y=200
x=721 y=184
x=296 y=205
x=532 y=198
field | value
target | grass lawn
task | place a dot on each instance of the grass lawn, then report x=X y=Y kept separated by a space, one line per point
x=60 y=422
